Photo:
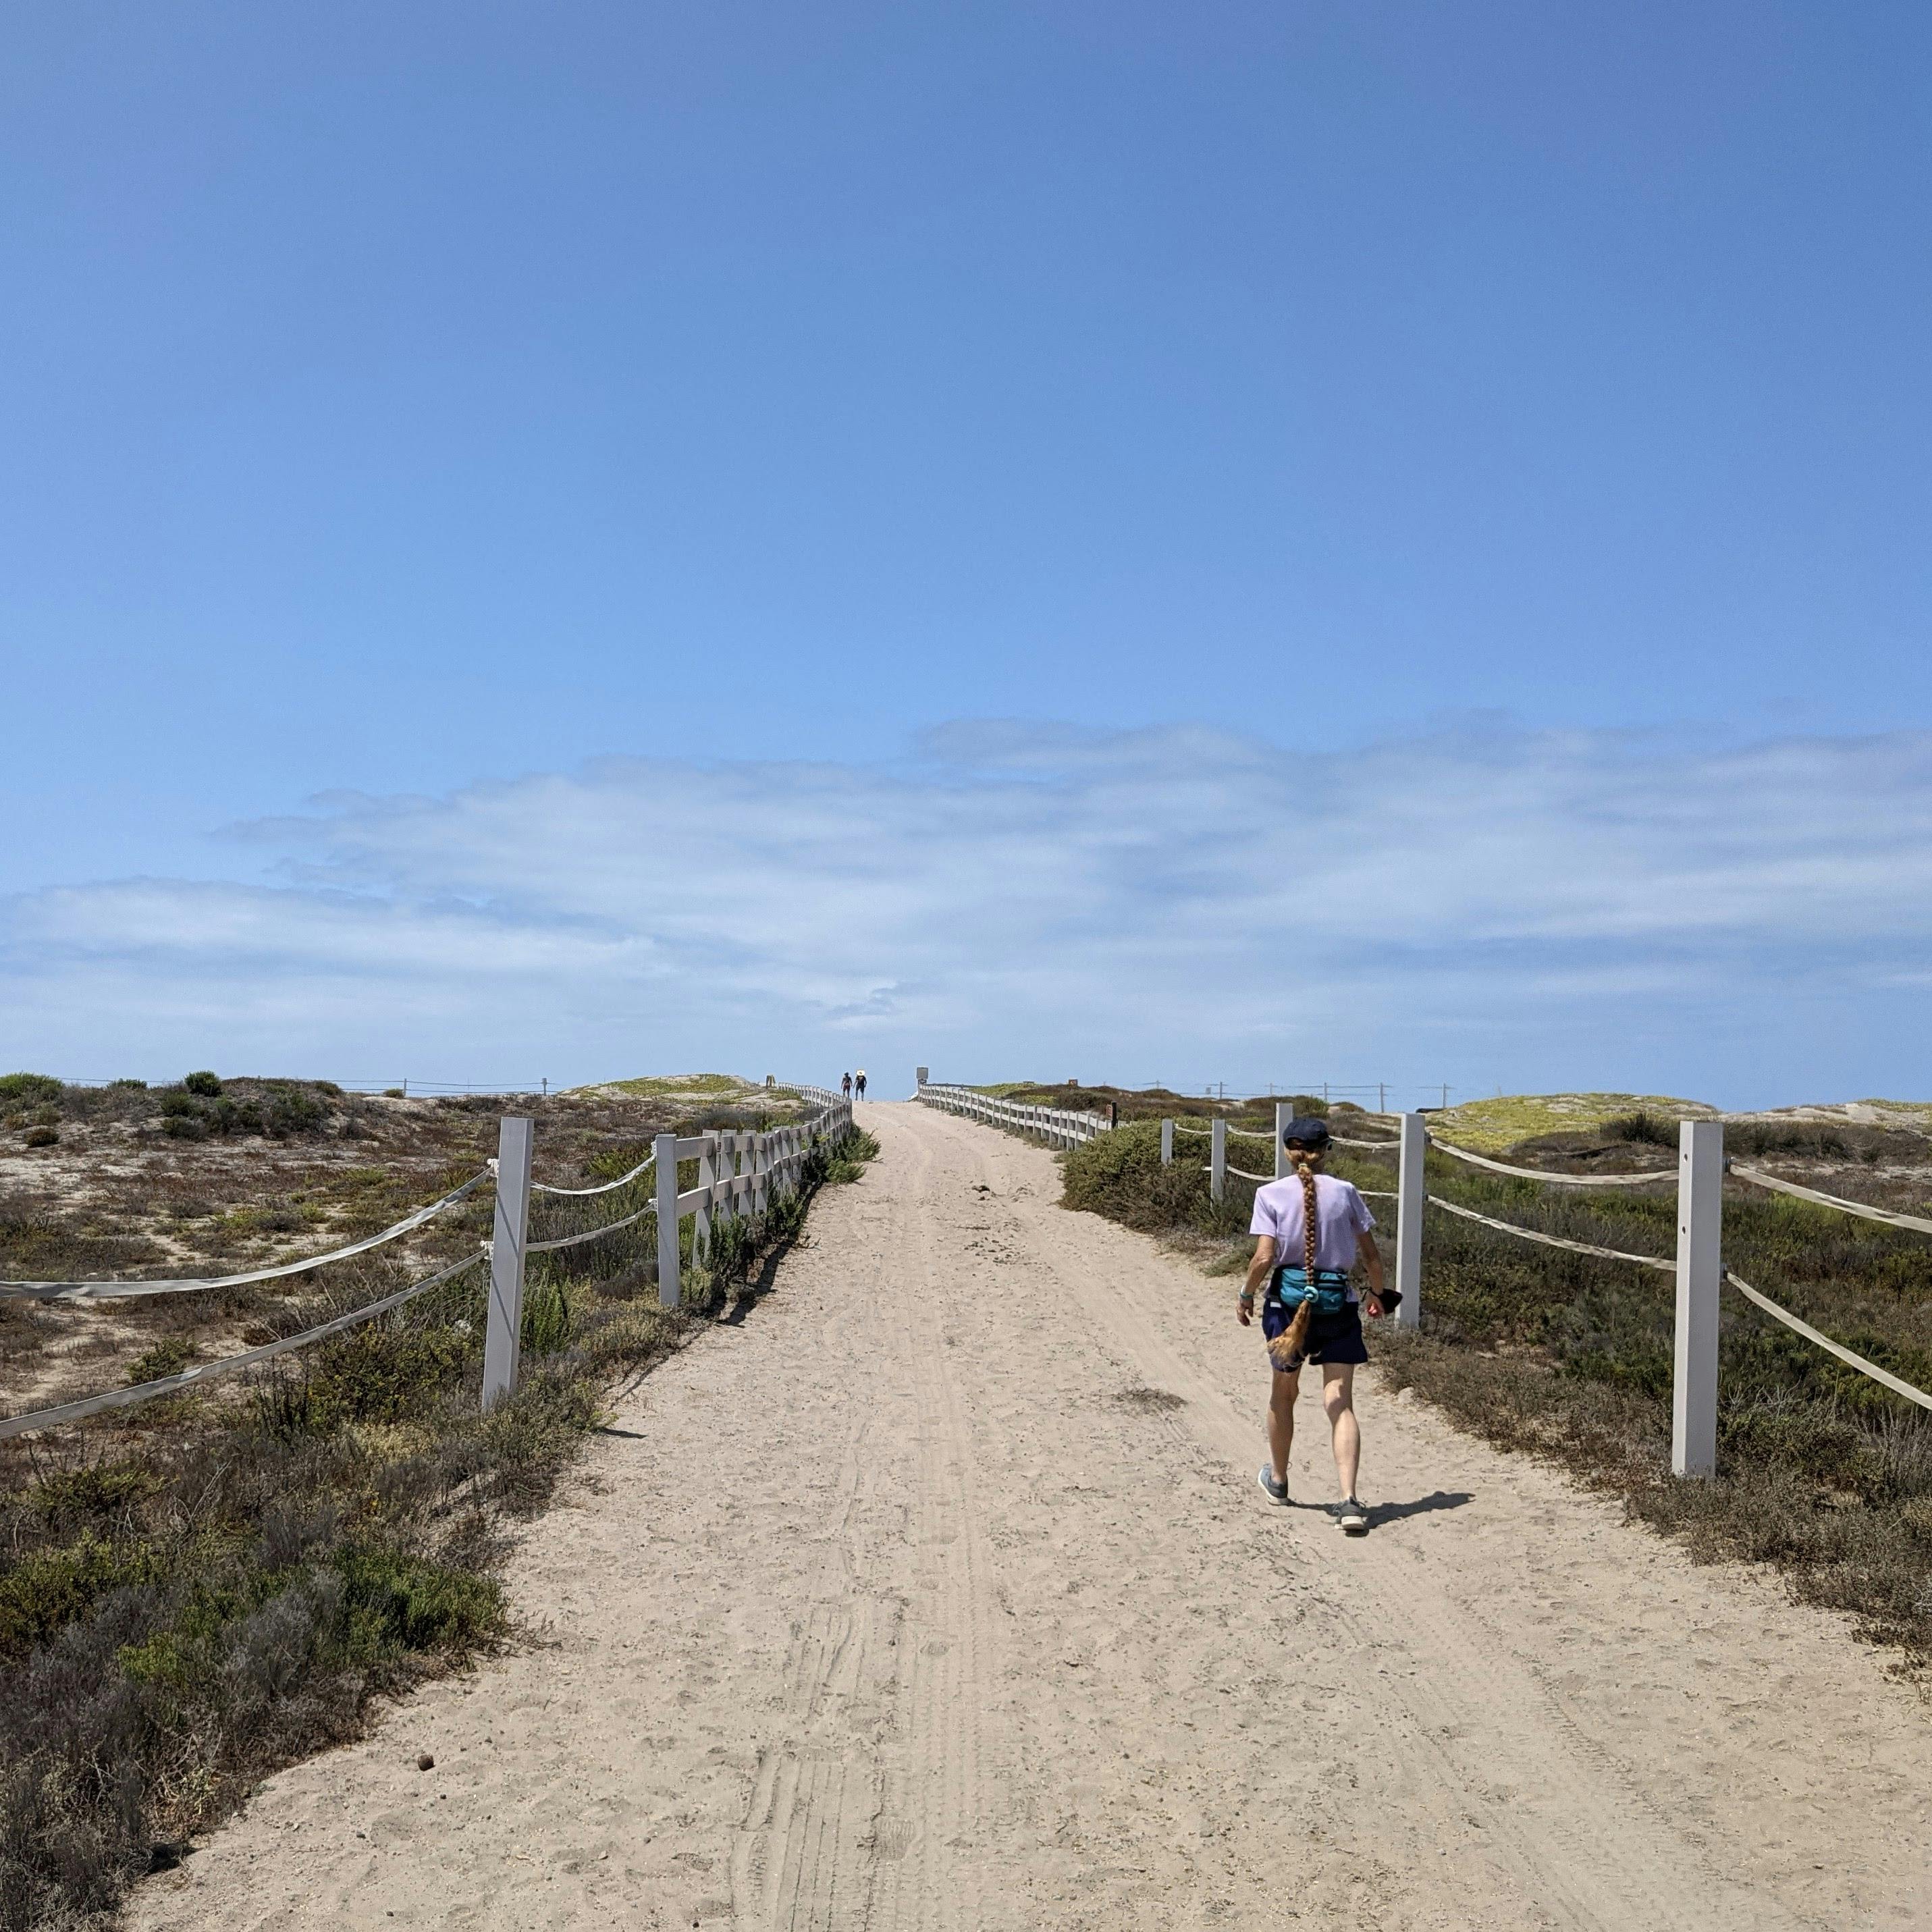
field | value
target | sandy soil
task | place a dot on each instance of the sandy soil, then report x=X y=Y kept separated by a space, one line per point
x=939 y=1593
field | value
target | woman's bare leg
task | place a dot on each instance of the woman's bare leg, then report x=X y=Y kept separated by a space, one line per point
x=1338 y=1398
x=1281 y=1421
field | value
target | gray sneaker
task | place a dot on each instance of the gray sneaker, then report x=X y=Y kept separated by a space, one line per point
x=1277 y=1491
x=1353 y=1518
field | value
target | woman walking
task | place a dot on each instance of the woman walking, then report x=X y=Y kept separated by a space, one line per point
x=845 y=1086
x=862 y=1083
x=1310 y=1228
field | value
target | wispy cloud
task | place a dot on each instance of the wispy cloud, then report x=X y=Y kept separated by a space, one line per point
x=1178 y=902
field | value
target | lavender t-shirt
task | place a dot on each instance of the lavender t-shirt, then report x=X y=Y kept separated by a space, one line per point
x=1340 y=1215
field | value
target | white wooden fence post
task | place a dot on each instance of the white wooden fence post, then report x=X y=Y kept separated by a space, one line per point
x=1283 y=1113
x=707 y=1177
x=1217 y=1158
x=503 y=1337
x=1700 y=1274
x=669 y=1295
x=1411 y=1190
x=1167 y=1143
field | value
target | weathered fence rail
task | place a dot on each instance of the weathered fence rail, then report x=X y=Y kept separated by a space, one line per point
x=1059 y=1127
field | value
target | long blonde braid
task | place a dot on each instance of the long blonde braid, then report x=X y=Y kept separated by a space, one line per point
x=1306 y=1169
x=1288 y=1349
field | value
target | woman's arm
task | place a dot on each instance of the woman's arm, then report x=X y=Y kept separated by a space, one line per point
x=1365 y=1243
x=1259 y=1269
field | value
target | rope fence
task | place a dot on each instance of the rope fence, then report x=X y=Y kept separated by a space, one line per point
x=1550 y=1240
x=1698 y=1265
x=596 y=1233
x=1755 y=1297
x=229 y=1365
x=740 y=1174
x=605 y=1187
x=1648 y=1179
x=1758 y=1178
x=104 y=1291
x=1824 y=1342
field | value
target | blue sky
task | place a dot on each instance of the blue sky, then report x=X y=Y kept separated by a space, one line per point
x=1258 y=543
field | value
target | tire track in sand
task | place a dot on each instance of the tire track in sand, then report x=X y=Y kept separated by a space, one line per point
x=852 y=1823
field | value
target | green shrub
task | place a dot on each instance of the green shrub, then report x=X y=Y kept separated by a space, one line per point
x=46 y=1591
x=733 y=1244
x=625 y=1338
x=392 y=1603
x=168 y=1357
x=292 y=1110
x=380 y=1372
x=1778 y=1427
x=1120 y=1174
x=96 y=1490
x=28 y=1090
x=607 y=1163
x=844 y=1157
x=1762 y=1137
x=546 y=1320
x=128 y=1086
x=281 y=1111
x=204 y=1082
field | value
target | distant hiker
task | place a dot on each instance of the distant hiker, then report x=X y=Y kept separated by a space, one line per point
x=862 y=1083
x=1310 y=1312
x=846 y=1086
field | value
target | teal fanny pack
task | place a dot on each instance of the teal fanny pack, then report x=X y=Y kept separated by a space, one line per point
x=1329 y=1291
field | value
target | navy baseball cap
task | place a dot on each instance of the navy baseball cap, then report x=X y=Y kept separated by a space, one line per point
x=1308 y=1130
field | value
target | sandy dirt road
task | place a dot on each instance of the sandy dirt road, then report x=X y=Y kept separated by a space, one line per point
x=939 y=1593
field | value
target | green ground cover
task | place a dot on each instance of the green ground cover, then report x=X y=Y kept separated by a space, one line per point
x=1491 y=1126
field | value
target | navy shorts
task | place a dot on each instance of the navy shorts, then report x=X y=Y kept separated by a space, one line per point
x=1331 y=1338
